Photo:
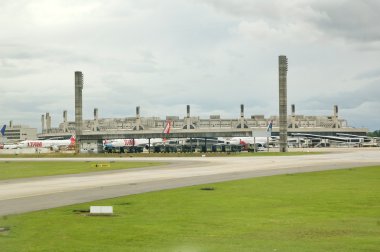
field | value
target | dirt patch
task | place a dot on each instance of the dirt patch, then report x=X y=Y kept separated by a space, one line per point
x=79 y=211
x=207 y=188
x=124 y=204
x=4 y=230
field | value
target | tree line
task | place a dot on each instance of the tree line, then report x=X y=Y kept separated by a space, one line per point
x=376 y=133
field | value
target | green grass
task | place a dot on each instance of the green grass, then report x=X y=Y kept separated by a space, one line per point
x=321 y=211
x=12 y=170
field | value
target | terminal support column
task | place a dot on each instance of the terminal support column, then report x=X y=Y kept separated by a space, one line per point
x=283 y=69
x=78 y=109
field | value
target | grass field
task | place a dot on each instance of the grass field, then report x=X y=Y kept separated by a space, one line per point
x=321 y=211
x=12 y=170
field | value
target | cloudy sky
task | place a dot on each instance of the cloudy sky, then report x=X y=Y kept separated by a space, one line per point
x=211 y=54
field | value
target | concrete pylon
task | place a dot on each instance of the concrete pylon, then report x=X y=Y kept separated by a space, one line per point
x=242 y=115
x=78 y=109
x=48 y=122
x=336 y=110
x=293 y=116
x=188 y=124
x=96 y=119
x=42 y=123
x=283 y=100
x=138 y=125
x=335 y=117
x=241 y=123
x=188 y=121
x=65 y=121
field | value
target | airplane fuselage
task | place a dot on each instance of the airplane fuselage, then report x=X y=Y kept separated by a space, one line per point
x=46 y=143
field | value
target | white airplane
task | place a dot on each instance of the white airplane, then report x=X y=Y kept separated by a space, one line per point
x=261 y=142
x=8 y=146
x=247 y=140
x=252 y=140
x=54 y=144
x=117 y=143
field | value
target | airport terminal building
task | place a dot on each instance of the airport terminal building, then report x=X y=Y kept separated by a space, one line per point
x=16 y=133
x=97 y=130
x=320 y=125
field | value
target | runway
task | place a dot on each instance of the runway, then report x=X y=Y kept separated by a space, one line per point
x=24 y=195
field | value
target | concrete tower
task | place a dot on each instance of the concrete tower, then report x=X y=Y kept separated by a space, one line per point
x=48 y=122
x=138 y=125
x=188 y=111
x=242 y=120
x=42 y=123
x=187 y=120
x=187 y=123
x=293 y=116
x=283 y=100
x=78 y=109
x=96 y=119
x=242 y=115
x=335 y=117
x=65 y=121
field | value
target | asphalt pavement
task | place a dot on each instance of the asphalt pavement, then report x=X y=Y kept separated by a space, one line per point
x=25 y=195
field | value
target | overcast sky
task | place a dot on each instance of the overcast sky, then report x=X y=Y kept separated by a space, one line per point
x=211 y=54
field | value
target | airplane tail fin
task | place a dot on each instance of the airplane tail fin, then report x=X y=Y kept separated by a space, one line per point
x=3 y=130
x=270 y=125
x=241 y=142
x=72 y=140
x=167 y=127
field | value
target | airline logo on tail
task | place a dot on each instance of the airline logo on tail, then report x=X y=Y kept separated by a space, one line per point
x=72 y=140
x=270 y=125
x=3 y=135
x=3 y=130
x=167 y=127
x=241 y=142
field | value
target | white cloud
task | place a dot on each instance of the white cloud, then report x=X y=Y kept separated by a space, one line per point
x=163 y=55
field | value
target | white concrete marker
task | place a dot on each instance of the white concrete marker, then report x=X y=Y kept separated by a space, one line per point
x=102 y=210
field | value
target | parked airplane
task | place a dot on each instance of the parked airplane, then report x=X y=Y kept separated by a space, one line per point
x=260 y=141
x=119 y=143
x=54 y=144
x=9 y=146
x=248 y=140
x=3 y=130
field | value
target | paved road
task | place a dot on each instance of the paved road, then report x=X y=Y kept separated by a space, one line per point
x=24 y=195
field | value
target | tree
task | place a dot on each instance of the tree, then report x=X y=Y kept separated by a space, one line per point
x=376 y=133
